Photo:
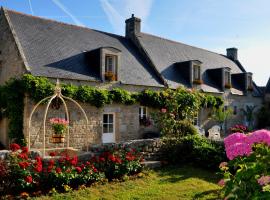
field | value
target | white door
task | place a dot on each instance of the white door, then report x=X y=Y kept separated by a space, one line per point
x=108 y=131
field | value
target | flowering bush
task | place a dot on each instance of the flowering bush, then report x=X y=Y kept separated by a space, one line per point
x=59 y=125
x=20 y=172
x=116 y=162
x=247 y=174
x=239 y=128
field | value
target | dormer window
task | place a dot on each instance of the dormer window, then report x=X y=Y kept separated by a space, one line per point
x=227 y=78
x=110 y=62
x=196 y=72
x=110 y=67
x=249 y=82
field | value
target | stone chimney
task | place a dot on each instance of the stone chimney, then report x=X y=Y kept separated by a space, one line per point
x=133 y=26
x=232 y=53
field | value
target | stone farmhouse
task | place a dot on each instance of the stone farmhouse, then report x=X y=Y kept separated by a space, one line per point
x=136 y=61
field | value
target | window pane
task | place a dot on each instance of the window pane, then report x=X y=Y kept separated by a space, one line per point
x=110 y=128
x=105 y=118
x=110 y=118
x=105 y=128
x=144 y=110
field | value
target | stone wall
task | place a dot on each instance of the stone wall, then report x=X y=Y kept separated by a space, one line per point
x=231 y=100
x=11 y=65
x=127 y=125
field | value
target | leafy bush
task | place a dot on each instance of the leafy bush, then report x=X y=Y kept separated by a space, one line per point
x=247 y=174
x=22 y=173
x=117 y=162
x=194 y=149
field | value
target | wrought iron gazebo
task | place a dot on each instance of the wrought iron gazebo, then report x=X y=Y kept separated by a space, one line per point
x=57 y=94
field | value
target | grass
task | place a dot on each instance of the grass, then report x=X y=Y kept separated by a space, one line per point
x=168 y=183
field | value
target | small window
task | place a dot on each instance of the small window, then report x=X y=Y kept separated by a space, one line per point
x=235 y=110
x=196 y=72
x=108 y=125
x=142 y=112
x=227 y=78
x=110 y=67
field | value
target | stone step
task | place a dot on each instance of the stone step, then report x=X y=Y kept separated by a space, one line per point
x=152 y=164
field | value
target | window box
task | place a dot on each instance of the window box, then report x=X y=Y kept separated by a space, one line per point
x=228 y=86
x=110 y=76
x=198 y=82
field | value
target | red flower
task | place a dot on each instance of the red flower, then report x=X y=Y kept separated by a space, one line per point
x=23 y=156
x=14 y=147
x=74 y=161
x=82 y=166
x=112 y=158
x=38 y=167
x=78 y=169
x=130 y=157
x=95 y=170
x=52 y=154
x=51 y=162
x=118 y=160
x=58 y=170
x=24 y=165
x=38 y=159
x=24 y=150
x=88 y=163
x=28 y=179
x=101 y=159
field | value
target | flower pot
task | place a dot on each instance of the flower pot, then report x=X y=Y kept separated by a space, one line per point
x=56 y=138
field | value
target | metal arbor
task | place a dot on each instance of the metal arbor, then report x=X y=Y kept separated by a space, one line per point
x=57 y=94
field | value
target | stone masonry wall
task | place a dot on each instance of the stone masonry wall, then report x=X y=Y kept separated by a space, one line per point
x=11 y=65
x=127 y=125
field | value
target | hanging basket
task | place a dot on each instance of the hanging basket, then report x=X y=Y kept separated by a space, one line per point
x=57 y=138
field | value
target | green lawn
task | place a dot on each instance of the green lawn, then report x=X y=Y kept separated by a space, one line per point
x=167 y=183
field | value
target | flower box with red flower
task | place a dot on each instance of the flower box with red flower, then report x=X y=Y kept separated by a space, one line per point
x=198 y=82
x=228 y=86
x=110 y=76
x=59 y=126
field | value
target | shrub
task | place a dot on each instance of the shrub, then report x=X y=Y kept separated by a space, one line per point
x=194 y=149
x=247 y=174
x=117 y=162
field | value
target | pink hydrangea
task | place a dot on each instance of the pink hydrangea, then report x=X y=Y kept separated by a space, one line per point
x=221 y=183
x=264 y=180
x=238 y=149
x=260 y=136
x=234 y=138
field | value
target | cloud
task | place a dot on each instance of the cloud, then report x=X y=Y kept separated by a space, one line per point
x=119 y=10
x=65 y=10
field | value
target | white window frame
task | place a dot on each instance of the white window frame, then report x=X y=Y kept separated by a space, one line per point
x=227 y=78
x=141 y=112
x=111 y=66
x=113 y=123
x=196 y=72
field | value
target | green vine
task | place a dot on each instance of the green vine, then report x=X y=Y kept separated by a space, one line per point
x=12 y=96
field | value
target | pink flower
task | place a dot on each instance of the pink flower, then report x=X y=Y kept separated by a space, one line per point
x=264 y=180
x=223 y=165
x=260 y=136
x=238 y=149
x=221 y=183
x=234 y=138
x=163 y=110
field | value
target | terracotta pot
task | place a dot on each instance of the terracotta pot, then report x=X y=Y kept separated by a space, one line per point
x=56 y=138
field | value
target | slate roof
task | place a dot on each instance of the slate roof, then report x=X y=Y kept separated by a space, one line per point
x=54 y=49
x=164 y=53
x=267 y=88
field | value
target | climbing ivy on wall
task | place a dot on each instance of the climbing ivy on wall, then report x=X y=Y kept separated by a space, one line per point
x=12 y=95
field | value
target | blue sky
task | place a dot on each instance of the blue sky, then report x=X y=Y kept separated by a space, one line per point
x=211 y=24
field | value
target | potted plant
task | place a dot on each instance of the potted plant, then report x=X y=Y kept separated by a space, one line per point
x=59 y=126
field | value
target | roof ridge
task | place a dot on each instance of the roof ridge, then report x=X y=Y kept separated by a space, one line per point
x=59 y=22
x=177 y=42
